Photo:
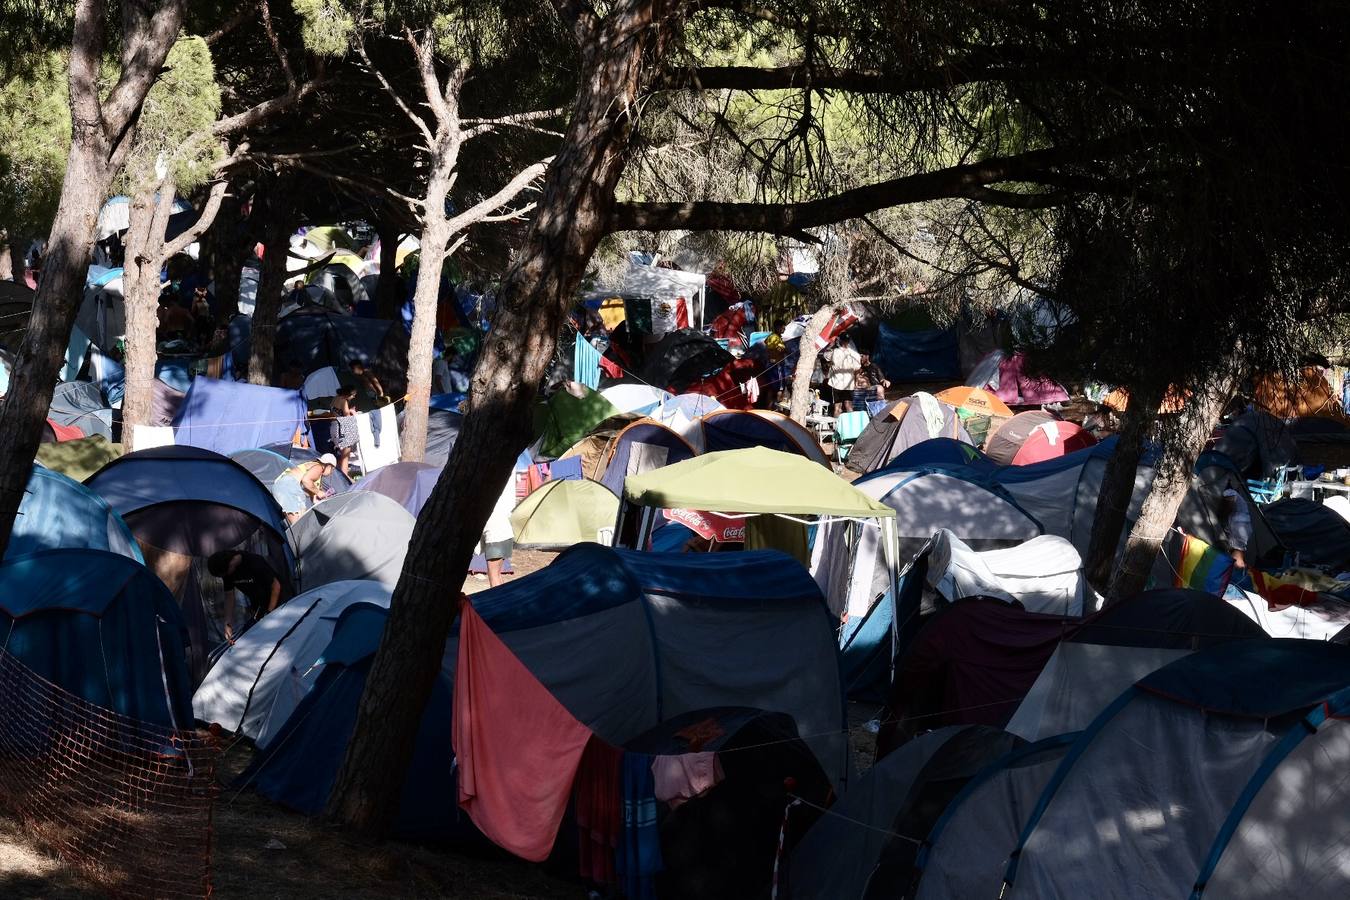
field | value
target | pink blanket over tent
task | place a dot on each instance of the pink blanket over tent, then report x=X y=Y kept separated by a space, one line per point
x=1017 y=388
x=517 y=747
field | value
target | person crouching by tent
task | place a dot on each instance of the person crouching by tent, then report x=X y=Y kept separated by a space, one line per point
x=300 y=486
x=498 y=538
x=845 y=361
x=252 y=576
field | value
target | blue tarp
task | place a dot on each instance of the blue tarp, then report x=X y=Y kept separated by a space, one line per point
x=57 y=512
x=917 y=355
x=98 y=624
x=226 y=416
x=586 y=363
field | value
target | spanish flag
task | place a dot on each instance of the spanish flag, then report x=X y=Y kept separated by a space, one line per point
x=1282 y=590
x=1203 y=568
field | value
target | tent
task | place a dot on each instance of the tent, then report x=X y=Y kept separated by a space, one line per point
x=359 y=535
x=299 y=762
x=1006 y=441
x=927 y=355
x=1258 y=443
x=184 y=504
x=568 y=416
x=1016 y=387
x=339 y=277
x=665 y=289
x=59 y=513
x=409 y=484
x=562 y=513
x=736 y=429
x=16 y=302
x=80 y=458
x=1317 y=533
x=102 y=317
x=1308 y=394
x=1051 y=440
x=80 y=403
x=640 y=447
x=593 y=449
x=901 y=425
x=681 y=358
x=314 y=337
x=262 y=677
x=267 y=464
x=944 y=452
x=925 y=502
x=974 y=400
x=442 y=432
x=1201 y=515
x=226 y=416
x=638 y=398
x=867 y=847
x=1195 y=768
x=100 y=626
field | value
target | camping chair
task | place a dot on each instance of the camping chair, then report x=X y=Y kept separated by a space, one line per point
x=758 y=337
x=847 y=428
x=1268 y=490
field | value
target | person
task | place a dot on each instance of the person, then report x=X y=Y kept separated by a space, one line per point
x=498 y=537
x=297 y=296
x=869 y=384
x=845 y=362
x=1237 y=519
x=344 y=431
x=250 y=575
x=297 y=488
x=369 y=381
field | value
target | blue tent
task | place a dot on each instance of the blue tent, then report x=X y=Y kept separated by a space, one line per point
x=929 y=355
x=101 y=626
x=943 y=451
x=298 y=766
x=226 y=416
x=58 y=512
x=669 y=446
x=314 y=337
x=267 y=463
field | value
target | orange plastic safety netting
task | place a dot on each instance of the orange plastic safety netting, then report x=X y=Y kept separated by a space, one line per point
x=125 y=803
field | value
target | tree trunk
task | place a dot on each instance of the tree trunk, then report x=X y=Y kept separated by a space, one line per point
x=228 y=245
x=573 y=215
x=388 y=298
x=42 y=352
x=426 y=297
x=800 y=405
x=1194 y=425
x=1117 y=489
x=140 y=290
x=277 y=228
x=6 y=259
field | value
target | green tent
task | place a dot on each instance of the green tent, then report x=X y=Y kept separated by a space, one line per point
x=563 y=513
x=80 y=458
x=753 y=480
x=567 y=418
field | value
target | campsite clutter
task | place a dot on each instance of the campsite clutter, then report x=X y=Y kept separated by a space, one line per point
x=740 y=582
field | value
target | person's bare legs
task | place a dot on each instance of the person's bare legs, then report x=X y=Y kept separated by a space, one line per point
x=494 y=572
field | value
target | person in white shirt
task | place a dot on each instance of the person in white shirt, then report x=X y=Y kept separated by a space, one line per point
x=845 y=362
x=498 y=538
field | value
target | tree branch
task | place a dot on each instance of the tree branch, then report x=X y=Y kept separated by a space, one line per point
x=285 y=63
x=519 y=120
x=148 y=34
x=431 y=85
x=403 y=107
x=581 y=16
x=480 y=210
x=258 y=114
x=382 y=191
x=229 y=25
x=199 y=227
x=970 y=181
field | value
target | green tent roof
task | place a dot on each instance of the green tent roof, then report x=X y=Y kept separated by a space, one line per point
x=563 y=513
x=566 y=419
x=754 y=480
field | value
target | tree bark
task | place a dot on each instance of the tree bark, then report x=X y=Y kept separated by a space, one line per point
x=6 y=257
x=573 y=216
x=1117 y=489
x=276 y=234
x=140 y=292
x=1194 y=425
x=388 y=298
x=101 y=132
x=799 y=407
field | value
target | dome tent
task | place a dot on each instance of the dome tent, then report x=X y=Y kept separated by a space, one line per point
x=562 y=513
x=58 y=513
x=359 y=535
x=901 y=425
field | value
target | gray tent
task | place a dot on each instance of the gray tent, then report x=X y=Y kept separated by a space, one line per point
x=80 y=403
x=902 y=425
x=359 y=535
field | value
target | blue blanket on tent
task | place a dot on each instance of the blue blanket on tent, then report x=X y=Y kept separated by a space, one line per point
x=226 y=416
x=917 y=355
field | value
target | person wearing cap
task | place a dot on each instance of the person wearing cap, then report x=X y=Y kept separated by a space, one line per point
x=300 y=486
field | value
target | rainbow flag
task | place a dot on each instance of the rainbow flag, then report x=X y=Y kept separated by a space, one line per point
x=1203 y=568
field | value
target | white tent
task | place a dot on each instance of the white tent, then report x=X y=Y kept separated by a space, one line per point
x=263 y=676
x=652 y=283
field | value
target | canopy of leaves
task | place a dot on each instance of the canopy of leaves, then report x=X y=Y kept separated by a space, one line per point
x=34 y=143
x=175 y=125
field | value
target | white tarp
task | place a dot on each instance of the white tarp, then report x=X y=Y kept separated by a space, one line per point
x=1044 y=574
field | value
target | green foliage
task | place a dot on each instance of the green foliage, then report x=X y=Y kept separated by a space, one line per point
x=327 y=26
x=34 y=144
x=175 y=124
